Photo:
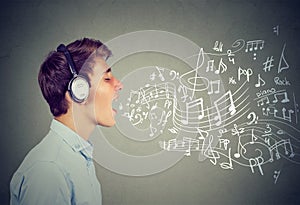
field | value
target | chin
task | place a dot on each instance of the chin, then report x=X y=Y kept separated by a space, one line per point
x=110 y=125
x=107 y=124
x=107 y=119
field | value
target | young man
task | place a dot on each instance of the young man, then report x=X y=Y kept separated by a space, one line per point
x=79 y=87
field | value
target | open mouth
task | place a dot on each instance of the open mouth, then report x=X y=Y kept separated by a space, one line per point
x=114 y=100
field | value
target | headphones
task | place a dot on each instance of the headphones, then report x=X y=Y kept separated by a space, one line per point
x=78 y=87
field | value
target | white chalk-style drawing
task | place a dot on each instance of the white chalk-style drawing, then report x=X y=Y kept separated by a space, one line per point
x=160 y=75
x=296 y=108
x=237 y=46
x=281 y=93
x=232 y=110
x=283 y=64
x=268 y=64
x=214 y=87
x=218 y=46
x=240 y=148
x=252 y=117
x=253 y=46
x=189 y=105
x=276 y=175
x=276 y=30
x=256 y=162
x=286 y=144
x=264 y=97
x=266 y=92
x=230 y=56
x=232 y=81
x=227 y=126
x=184 y=145
x=222 y=67
x=210 y=65
x=246 y=72
x=229 y=164
x=260 y=82
x=281 y=82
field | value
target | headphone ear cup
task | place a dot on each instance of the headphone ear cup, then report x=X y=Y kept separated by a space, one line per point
x=79 y=88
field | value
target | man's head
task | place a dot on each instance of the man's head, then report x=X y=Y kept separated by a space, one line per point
x=89 y=58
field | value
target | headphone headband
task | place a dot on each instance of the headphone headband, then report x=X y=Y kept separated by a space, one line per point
x=62 y=48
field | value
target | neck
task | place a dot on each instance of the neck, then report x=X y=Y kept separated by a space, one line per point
x=82 y=126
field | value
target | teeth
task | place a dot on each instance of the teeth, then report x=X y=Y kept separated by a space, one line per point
x=116 y=97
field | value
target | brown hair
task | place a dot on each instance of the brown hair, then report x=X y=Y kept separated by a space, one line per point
x=55 y=74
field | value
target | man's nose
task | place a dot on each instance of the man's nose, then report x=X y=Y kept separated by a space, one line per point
x=119 y=85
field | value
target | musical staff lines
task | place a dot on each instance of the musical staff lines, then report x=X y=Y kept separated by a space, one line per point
x=226 y=111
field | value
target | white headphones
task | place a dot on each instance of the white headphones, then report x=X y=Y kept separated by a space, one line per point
x=78 y=87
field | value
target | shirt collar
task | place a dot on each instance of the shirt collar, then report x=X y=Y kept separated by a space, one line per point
x=77 y=143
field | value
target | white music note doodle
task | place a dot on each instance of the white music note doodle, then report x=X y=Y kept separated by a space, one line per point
x=210 y=65
x=254 y=46
x=214 y=87
x=260 y=82
x=190 y=105
x=283 y=64
x=231 y=108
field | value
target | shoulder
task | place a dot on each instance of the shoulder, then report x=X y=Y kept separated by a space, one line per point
x=52 y=148
x=42 y=183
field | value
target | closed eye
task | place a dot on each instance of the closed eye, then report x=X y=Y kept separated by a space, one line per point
x=108 y=70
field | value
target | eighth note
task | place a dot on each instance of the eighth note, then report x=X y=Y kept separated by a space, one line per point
x=220 y=101
x=211 y=86
x=190 y=105
x=253 y=138
x=284 y=100
x=260 y=82
x=254 y=45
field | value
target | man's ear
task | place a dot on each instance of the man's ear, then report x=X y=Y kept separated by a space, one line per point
x=70 y=101
x=68 y=97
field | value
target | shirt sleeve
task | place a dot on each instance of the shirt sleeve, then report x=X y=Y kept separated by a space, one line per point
x=44 y=183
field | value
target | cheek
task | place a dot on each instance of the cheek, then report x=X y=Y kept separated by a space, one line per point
x=99 y=99
x=102 y=100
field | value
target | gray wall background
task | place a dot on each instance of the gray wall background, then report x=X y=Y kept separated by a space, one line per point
x=30 y=29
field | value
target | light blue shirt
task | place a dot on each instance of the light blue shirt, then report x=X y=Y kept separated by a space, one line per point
x=59 y=170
